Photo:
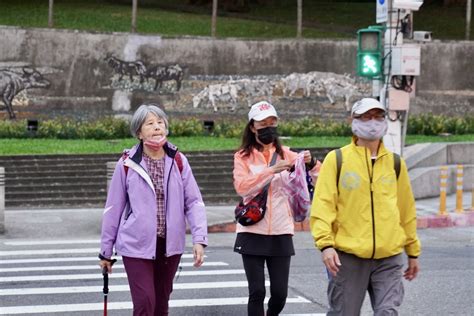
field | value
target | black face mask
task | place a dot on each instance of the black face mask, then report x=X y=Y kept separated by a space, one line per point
x=267 y=135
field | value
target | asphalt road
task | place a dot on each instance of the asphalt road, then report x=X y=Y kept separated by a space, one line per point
x=444 y=287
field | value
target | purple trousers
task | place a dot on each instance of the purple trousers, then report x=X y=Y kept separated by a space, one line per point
x=151 y=281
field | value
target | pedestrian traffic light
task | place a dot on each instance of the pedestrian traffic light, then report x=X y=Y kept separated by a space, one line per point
x=369 y=53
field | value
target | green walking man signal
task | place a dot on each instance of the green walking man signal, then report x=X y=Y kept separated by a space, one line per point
x=369 y=53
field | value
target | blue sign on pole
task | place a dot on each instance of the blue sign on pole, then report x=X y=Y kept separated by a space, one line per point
x=381 y=11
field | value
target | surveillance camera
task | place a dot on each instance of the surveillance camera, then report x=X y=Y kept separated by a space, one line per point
x=412 y=5
x=422 y=36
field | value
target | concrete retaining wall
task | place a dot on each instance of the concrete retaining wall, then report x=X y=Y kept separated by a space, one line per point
x=424 y=162
x=80 y=78
x=425 y=182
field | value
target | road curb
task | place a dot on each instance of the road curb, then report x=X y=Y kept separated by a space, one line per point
x=434 y=221
x=449 y=220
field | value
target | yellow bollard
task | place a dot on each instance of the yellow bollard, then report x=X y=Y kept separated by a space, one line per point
x=442 y=190
x=472 y=200
x=459 y=185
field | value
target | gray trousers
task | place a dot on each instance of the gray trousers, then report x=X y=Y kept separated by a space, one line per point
x=382 y=278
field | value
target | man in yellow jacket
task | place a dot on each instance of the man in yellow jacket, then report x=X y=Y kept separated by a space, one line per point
x=363 y=217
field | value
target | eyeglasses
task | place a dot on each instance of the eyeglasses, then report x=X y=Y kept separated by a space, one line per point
x=367 y=117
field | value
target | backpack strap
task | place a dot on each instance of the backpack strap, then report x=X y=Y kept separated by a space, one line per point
x=125 y=156
x=177 y=158
x=179 y=161
x=272 y=162
x=396 y=164
x=339 y=165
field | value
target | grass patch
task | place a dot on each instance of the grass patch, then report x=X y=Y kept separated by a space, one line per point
x=321 y=19
x=89 y=146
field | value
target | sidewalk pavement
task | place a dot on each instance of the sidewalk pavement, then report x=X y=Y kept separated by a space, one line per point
x=220 y=217
x=85 y=223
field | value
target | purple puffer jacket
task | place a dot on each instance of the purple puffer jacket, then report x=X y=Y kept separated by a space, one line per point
x=129 y=221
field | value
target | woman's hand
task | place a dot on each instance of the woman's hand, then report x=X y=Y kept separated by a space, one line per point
x=307 y=156
x=106 y=264
x=198 y=253
x=280 y=166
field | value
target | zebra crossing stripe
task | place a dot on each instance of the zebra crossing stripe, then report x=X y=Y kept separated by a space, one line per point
x=44 y=260
x=32 y=278
x=96 y=267
x=119 y=288
x=311 y=314
x=48 y=252
x=37 y=309
x=51 y=242
x=29 y=252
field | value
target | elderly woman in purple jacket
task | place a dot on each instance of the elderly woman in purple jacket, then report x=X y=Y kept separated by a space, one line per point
x=151 y=196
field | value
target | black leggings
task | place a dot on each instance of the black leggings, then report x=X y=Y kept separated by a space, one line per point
x=278 y=270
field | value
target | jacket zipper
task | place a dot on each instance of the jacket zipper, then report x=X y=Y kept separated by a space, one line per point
x=371 y=202
x=166 y=202
x=269 y=199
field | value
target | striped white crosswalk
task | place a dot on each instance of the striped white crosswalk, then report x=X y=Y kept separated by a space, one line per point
x=36 y=275
x=94 y=267
x=128 y=305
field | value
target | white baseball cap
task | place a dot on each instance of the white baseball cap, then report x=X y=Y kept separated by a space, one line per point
x=366 y=104
x=261 y=110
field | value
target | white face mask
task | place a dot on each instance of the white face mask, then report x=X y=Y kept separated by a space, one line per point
x=370 y=130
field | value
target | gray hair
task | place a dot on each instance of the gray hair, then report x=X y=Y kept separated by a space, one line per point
x=140 y=115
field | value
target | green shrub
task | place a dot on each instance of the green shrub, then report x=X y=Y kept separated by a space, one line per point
x=429 y=124
x=229 y=129
x=314 y=127
x=113 y=128
x=13 y=129
x=188 y=127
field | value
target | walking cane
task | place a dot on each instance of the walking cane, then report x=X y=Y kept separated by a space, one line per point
x=105 y=289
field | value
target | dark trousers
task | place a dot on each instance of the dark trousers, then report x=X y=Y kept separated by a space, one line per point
x=278 y=270
x=151 y=281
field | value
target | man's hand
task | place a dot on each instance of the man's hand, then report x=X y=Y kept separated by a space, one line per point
x=198 y=253
x=331 y=260
x=413 y=268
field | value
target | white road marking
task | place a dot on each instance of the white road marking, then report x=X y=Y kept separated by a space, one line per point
x=43 y=260
x=32 y=278
x=51 y=242
x=118 y=288
x=96 y=267
x=37 y=309
x=28 y=252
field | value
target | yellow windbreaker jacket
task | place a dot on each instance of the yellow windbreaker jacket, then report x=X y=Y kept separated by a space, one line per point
x=369 y=214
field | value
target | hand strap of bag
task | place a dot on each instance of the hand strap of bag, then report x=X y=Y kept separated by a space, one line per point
x=272 y=162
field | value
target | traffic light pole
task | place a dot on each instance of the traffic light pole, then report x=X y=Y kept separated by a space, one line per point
x=390 y=64
x=401 y=65
x=394 y=139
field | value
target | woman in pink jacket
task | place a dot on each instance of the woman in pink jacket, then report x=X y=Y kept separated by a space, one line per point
x=270 y=240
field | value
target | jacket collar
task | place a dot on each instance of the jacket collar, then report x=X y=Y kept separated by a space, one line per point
x=363 y=150
x=136 y=153
x=135 y=156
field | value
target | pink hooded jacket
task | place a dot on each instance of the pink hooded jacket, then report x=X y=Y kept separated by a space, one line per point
x=251 y=174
